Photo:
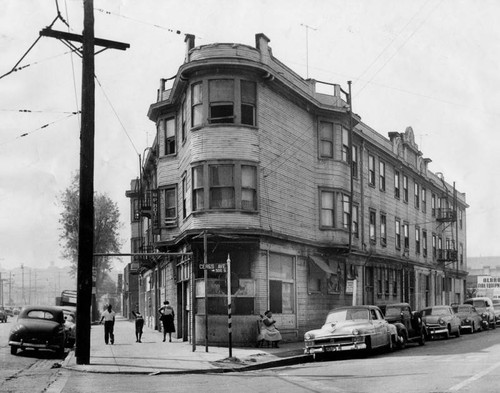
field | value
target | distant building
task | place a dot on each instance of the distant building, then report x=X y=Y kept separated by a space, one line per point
x=251 y=162
x=484 y=277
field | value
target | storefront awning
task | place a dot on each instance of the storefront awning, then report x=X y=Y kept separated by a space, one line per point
x=322 y=264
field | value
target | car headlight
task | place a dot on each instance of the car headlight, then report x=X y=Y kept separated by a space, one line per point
x=355 y=332
x=308 y=336
x=484 y=315
x=441 y=321
x=467 y=320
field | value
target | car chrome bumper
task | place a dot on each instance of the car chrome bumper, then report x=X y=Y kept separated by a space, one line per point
x=335 y=348
x=437 y=330
x=22 y=344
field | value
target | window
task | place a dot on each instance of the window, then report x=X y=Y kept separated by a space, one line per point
x=248 y=187
x=434 y=246
x=405 y=188
x=424 y=243
x=382 y=175
x=221 y=187
x=248 y=101
x=373 y=223
x=383 y=229
x=417 y=240
x=281 y=284
x=371 y=170
x=433 y=205
x=198 y=188
x=326 y=139
x=196 y=104
x=183 y=120
x=221 y=101
x=225 y=186
x=424 y=200
x=327 y=209
x=346 y=217
x=355 y=161
x=398 y=234
x=396 y=185
x=417 y=195
x=314 y=278
x=135 y=210
x=184 y=197
x=170 y=207
x=461 y=254
x=355 y=220
x=460 y=218
x=345 y=144
x=169 y=126
x=406 y=235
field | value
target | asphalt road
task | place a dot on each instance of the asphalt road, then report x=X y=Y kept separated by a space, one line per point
x=470 y=363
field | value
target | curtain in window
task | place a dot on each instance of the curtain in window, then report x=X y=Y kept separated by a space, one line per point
x=326 y=136
x=221 y=187
x=248 y=187
x=198 y=194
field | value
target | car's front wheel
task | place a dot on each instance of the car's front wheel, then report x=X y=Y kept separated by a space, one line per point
x=402 y=340
x=421 y=340
x=457 y=334
x=13 y=350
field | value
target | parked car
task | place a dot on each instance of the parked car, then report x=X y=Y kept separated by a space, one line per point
x=9 y=312
x=16 y=310
x=484 y=306
x=441 y=320
x=69 y=324
x=351 y=328
x=38 y=327
x=470 y=319
x=496 y=307
x=3 y=315
x=408 y=323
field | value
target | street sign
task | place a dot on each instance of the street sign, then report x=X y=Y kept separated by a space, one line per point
x=215 y=267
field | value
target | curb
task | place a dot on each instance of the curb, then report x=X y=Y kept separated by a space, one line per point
x=252 y=367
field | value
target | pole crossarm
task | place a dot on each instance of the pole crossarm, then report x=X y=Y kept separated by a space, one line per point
x=64 y=36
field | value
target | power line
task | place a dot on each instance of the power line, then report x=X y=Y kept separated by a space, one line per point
x=399 y=48
x=37 y=111
x=116 y=114
x=40 y=128
x=15 y=67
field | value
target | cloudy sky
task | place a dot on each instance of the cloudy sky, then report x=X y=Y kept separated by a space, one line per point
x=432 y=65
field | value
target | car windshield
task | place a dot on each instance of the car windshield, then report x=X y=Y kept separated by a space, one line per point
x=393 y=312
x=348 y=315
x=435 y=311
x=477 y=303
x=463 y=309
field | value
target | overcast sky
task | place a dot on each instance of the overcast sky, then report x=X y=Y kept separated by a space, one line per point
x=432 y=65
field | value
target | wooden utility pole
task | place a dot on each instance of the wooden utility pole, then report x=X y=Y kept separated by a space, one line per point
x=86 y=222
x=86 y=215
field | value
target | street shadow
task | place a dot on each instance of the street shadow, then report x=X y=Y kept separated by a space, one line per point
x=40 y=354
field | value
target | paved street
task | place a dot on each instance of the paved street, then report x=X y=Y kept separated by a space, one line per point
x=470 y=363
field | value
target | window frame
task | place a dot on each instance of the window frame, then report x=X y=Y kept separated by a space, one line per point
x=170 y=220
x=372 y=232
x=328 y=140
x=323 y=209
x=206 y=187
x=383 y=229
x=371 y=170
x=397 y=184
x=405 y=188
x=381 y=175
x=345 y=144
x=354 y=162
x=397 y=232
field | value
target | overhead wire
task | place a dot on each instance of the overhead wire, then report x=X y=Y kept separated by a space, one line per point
x=116 y=114
x=15 y=68
x=72 y=62
x=399 y=47
x=40 y=128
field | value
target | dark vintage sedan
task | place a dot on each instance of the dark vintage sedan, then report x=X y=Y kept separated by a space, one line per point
x=38 y=327
x=441 y=321
x=470 y=319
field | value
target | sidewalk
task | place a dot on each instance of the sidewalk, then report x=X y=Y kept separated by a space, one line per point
x=153 y=356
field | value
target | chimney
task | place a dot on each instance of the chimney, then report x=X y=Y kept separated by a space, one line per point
x=189 y=40
x=261 y=42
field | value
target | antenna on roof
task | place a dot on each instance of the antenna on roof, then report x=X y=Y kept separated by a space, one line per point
x=307 y=46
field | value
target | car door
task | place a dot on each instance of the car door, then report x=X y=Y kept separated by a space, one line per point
x=380 y=325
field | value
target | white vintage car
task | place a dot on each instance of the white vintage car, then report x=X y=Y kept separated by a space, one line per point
x=351 y=328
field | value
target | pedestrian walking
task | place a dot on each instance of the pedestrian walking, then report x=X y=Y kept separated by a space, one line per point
x=139 y=324
x=167 y=318
x=108 y=316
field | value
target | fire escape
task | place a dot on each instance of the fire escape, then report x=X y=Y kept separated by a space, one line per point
x=446 y=216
